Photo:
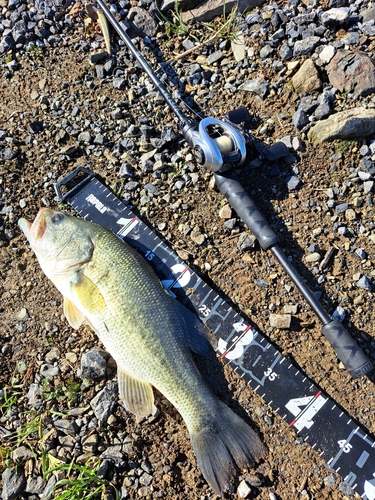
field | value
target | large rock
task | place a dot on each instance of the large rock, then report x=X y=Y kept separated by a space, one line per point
x=143 y=21
x=352 y=72
x=307 y=78
x=209 y=9
x=356 y=122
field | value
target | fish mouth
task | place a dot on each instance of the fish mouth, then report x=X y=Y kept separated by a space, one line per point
x=34 y=231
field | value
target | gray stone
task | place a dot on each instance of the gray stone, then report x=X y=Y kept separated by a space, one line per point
x=258 y=85
x=119 y=83
x=352 y=72
x=335 y=16
x=99 y=56
x=364 y=150
x=322 y=111
x=90 y=443
x=364 y=176
x=339 y=313
x=114 y=454
x=230 y=223
x=330 y=481
x=300 y=119
x=239 y=47
x=52 y=355
x=21 y=454
x=66 y=426
x=13 y=484
x=7 y=154
x=47 y=493
x=7 y=43
x=327 y=53
x=93 y=365
x=34 y=396
x=287 y=140
x=365 y=283
x=305 y=46
x=368 y=28
x=35 y=126
x=292 y=182
x=198 y=237
x=313 y=257
x=308 y=104
x=340 y=209
x=209 y=9
x=367 y=165
x=48 y=370
x=361 y=253
x=350 y=38
x=243 y=490
x=368 y=14
x=126 y=170
x=84 y=137
x=246 y=241
x=356 y=122
x=285 y=52
x=368 y=187
x=214 y=57
x=104 y=401
x=35 y=485
x=145 y=479
x=266 y=51
x=21 y=315
x=345 y=488
x=143 y=20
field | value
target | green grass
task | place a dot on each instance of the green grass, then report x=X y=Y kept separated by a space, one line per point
x=34 y=51
x=9 y=400
x=226 y=27
x=346 y=145
x=81 y=482
x=175 y=25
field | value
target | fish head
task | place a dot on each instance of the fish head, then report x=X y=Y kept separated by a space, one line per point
x=61 y=243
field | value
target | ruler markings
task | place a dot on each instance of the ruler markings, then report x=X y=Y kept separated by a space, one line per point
x=248 y=352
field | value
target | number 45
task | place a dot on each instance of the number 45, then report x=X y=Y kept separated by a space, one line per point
x=344 y=445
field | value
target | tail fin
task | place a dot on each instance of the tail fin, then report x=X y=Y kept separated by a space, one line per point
x=225 y=444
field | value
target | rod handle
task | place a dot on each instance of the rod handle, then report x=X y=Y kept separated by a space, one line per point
x=352 y=357
x=230 y=186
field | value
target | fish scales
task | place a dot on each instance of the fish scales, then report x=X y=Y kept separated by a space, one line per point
x=138 y=305
x=108 y=285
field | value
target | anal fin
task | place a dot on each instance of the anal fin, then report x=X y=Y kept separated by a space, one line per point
x=137 y=395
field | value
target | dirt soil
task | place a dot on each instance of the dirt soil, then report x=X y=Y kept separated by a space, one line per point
x=300 y=217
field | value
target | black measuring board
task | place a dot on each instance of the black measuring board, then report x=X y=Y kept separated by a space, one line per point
x=346 y=447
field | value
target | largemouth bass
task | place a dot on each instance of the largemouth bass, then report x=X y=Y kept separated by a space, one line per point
x=108 y=285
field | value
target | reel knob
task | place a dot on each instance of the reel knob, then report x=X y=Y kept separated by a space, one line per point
x=199 y=155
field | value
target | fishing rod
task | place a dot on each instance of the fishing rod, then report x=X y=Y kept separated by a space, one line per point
x=221 y=146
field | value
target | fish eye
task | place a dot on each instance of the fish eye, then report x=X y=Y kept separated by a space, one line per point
x=57 y=218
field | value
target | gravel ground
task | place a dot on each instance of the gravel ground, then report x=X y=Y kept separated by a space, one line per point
x=63 y=108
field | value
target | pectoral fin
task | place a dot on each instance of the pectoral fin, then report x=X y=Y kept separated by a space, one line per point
x=88 y=294
x=72 y=314
x=138 y=396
